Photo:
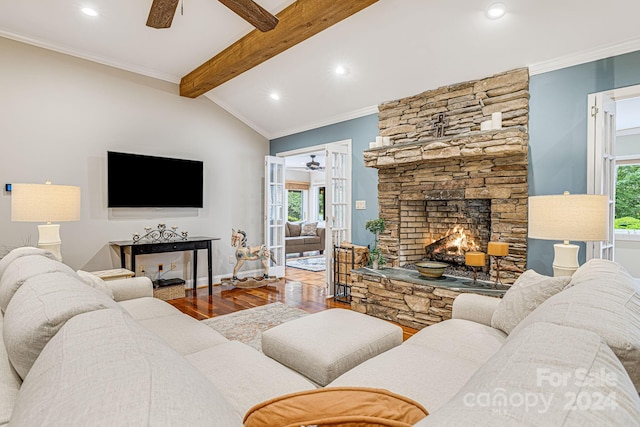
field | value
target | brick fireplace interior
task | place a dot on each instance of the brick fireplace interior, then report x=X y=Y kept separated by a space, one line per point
x=442 y=171
x=443 y=229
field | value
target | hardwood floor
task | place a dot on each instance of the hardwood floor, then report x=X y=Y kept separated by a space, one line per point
x=299 y=288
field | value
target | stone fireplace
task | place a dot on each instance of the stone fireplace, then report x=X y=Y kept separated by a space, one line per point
x=443 y=174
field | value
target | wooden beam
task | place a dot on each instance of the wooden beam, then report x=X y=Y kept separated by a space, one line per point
x=253 y=13
x=298 y=22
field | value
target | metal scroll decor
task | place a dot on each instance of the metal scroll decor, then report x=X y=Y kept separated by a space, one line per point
x=161 y=234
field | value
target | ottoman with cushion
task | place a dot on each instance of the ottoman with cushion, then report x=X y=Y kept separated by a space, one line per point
x=324 y=345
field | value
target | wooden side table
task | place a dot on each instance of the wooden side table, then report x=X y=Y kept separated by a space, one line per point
x=114 y=274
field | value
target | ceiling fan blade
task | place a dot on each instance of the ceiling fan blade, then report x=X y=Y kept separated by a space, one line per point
x=253 y=13
x=162 y=13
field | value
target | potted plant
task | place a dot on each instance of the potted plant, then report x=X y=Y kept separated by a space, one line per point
x=377 y=259
x=376 y=226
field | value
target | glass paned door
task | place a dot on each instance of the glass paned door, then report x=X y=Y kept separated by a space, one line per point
x=274 y=212
x=601 y=167
x=338 y=200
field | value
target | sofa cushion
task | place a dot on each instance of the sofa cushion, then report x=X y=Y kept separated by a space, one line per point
x=294 y=229
x=20 y=252
x=103 y=369
x=430 y=377
x=311 y=240
x=148 y=308
x=547 y=375
x=95 y=282
x=24 y=268
x=461 y=338
x=608 y=305
x=39 y=308
x=9 y=383
x=183 y=333
x=525 y=295
x=287 y=233
x=601 y=268
x=309 y=229
x=246 y=377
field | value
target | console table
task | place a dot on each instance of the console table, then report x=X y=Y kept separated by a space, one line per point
x=189 y=244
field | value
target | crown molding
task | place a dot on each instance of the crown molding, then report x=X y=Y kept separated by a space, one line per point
x=236 y=114
x=328 y=121
x=90 y=57
x=584 y=57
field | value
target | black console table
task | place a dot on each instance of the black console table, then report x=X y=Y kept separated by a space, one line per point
x=189 y=244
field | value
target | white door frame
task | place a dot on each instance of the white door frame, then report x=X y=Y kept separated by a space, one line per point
x=618 y=94
x=322 y=147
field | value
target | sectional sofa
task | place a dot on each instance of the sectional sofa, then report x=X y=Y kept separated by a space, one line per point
x=81 y=352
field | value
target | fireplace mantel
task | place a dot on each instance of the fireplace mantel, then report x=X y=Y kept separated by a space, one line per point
x=470 y=146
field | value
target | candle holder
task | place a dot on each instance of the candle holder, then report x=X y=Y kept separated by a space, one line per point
x=475 y=260
x=498 y=250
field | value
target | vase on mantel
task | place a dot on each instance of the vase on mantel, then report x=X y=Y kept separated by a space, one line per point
x=375 y=265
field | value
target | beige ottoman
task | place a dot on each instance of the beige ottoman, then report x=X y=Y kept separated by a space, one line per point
x=324 y=345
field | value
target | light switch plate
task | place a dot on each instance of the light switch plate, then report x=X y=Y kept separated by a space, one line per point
x=361 y=204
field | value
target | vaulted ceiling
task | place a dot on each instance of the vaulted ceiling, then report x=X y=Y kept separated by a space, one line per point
x=391 y=49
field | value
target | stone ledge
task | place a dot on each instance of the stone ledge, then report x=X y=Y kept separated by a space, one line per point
x=481 y=144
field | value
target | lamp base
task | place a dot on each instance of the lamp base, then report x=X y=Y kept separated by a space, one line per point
x=565 y=262
x=49 y=239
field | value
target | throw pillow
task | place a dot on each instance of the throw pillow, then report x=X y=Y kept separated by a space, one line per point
x=95 y=282
x=287 y=233
x=525 y=295
x=294 y=229
x=337 y=406
x=309 y=229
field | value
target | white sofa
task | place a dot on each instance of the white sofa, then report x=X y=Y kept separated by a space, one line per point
x=72 y=355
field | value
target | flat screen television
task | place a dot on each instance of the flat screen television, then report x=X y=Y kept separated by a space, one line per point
x=139 y=181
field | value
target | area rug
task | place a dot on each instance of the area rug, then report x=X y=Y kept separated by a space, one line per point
x=317 y=263
x=247 y=326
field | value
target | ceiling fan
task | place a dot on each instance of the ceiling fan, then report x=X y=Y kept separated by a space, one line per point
x=162 y=12
x=313 y=165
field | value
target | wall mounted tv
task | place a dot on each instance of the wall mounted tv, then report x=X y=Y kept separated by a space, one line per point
x=138 y=181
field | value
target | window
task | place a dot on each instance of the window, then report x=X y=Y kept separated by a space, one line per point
x=295 y=200
x=627 y=215
x=319 y=204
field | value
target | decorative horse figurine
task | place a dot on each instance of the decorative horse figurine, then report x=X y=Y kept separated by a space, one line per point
x=246 y=253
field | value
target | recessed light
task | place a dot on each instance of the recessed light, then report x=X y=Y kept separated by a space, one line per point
x=496 y=10
x=340 y=70
x=275 y=96
x=89 y=11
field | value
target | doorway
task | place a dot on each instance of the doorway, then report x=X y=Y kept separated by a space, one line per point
x=318 y=189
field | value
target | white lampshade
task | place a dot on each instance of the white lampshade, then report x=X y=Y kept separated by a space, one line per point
x=45 y=203
x=581 y=217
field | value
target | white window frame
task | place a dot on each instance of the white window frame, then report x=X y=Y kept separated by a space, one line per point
x=633 y=235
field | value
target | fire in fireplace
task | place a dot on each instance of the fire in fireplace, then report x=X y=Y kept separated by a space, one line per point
x=452 y=247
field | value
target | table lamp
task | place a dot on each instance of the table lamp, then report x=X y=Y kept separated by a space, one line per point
x=474 y=260
x=498 y=250
x=582 y=217
x=46 y=203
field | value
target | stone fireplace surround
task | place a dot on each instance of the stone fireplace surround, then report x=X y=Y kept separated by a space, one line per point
x=465 y=165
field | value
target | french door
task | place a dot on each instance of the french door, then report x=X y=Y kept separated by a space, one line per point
x=275 y=212
x=337 y=202
x=601 y=164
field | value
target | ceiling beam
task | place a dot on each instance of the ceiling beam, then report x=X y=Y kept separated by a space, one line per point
x=298 y=22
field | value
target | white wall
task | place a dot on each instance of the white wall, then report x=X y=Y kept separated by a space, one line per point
x=58 y=117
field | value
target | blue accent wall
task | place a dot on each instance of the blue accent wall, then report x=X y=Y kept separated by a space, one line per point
x=557 y=141
x=558 y=132
x=365 y=180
